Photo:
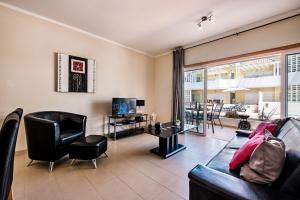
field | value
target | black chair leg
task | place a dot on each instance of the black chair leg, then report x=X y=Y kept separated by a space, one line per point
x=214 y=122
x=220 y=122
x=51 y=164
x=212 y=125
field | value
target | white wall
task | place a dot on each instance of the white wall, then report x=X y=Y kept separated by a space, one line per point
x=27 y=77
x=275 y=35
x=163 y=87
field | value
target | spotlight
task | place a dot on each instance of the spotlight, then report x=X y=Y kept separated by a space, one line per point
x=210 y=18
x=199 y=26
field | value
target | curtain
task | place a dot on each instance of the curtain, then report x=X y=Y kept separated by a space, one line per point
x=178 y=87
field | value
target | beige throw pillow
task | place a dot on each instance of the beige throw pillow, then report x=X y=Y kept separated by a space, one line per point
x=266 y=162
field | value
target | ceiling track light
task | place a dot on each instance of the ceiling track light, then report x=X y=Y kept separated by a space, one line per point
x=210 y=18
x=199 y=26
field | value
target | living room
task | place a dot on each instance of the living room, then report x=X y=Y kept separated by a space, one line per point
x=165 y=93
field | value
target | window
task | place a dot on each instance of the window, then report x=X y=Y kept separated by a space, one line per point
x=293 y=84
x=251 y=87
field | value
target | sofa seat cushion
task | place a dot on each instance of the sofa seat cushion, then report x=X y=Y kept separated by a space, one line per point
x=69 y=136
x=237 y=142
x=221 y=162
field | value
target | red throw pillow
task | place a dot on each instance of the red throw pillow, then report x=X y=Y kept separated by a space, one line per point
x=260 y=129
x=242 y=155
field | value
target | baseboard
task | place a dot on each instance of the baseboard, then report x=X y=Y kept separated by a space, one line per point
x=10 y=196
x=20 y=152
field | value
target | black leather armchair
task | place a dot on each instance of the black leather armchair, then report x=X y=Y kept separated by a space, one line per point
x=49 y=134
x=8 y=138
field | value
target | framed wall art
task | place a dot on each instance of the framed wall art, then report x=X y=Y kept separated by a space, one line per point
x=75 y=74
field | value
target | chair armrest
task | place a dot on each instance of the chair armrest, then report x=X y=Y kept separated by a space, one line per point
x=77 y=118
x=230 y=187
x=42 y=135
x=73 y=121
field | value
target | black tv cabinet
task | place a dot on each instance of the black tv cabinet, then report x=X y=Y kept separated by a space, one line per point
x=117 y=121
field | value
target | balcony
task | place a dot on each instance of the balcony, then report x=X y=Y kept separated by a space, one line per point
x=221 y=84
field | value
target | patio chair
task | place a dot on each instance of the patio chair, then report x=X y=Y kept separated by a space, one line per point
x=198 y=115
x=210 y=111
x=188 y=117
x=214 y=114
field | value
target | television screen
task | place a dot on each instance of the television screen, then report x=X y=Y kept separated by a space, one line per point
x=123 y=106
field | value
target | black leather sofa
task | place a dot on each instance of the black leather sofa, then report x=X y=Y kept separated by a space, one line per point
x=215 y=180
x=49 y=134
x=8 y=138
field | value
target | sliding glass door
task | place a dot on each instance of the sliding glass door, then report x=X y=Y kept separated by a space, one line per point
x=265 y=88
x=293 y=84
x=195 y=98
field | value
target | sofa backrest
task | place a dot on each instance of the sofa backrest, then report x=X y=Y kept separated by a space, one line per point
x=289 y=180
x=290 y=177
x=290 y=134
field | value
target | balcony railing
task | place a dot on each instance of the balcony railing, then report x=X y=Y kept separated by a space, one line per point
x=221 y=84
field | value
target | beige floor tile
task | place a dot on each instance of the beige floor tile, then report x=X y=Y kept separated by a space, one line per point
x=131 y=171
x=116 y=189
x=160 y=175
x=42 y=185
x=74 y=185
x=167 y=195
x=180 y=187
x=143 y=185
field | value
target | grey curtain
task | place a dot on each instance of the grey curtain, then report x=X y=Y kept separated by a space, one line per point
x=178 y=87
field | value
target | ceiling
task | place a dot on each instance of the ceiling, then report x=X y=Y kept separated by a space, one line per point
x=155 y=26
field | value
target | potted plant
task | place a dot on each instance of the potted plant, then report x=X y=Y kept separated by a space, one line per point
x=177 y=123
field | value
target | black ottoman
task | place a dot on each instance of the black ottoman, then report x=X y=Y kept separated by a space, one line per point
x=88 y=148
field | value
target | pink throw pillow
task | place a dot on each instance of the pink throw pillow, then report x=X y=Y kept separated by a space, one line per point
x=242 y=155
x=260 y=129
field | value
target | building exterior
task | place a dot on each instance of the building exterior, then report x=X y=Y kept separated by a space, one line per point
x=254 y=84
x=293 y=94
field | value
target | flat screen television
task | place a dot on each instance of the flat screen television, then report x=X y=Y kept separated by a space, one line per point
x=123 y=106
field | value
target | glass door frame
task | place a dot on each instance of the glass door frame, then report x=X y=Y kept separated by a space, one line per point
x=284 y=78
x=204 y=95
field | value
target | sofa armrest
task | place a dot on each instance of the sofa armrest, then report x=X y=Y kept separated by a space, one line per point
x=219 y=185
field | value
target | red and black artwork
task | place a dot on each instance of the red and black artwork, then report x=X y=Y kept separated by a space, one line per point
x=75 y=74
x=78 y=74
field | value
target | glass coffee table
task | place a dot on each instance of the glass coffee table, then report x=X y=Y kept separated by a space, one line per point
x=168 y=139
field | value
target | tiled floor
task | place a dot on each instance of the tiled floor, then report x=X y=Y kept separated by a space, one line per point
x=131 y=171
